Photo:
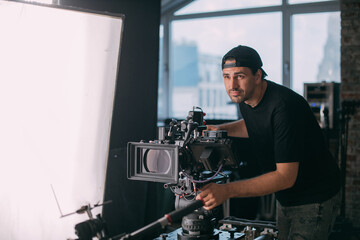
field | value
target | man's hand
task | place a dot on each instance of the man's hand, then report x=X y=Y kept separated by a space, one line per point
x=213 y=195
x=234 y=129
x=212 y=127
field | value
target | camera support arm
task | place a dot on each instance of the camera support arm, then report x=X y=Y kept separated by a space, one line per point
x=168 y=219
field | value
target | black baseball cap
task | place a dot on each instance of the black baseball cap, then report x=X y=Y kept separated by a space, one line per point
x=244 y=57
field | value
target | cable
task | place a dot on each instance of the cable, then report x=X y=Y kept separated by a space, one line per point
x=203 y=181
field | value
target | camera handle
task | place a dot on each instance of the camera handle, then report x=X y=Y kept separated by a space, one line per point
x=173 y=129
x=168 y=219
x=191 y=126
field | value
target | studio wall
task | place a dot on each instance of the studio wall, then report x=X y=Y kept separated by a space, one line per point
x=350 y=92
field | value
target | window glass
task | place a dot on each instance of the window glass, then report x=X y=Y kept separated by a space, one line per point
x=316 y=49
x=306 y=1
x=196 y=51
x=201 y=6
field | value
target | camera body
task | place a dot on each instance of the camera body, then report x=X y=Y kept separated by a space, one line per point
x=184 y=149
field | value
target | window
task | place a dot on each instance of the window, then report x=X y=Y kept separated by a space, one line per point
x=200 y=6
x=304 y=1
x=197 y=47
x=294 y=41
x=316 y=49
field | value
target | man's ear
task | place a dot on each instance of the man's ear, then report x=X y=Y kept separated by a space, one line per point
x=258 y=75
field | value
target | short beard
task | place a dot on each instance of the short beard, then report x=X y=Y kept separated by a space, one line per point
x=238 y=99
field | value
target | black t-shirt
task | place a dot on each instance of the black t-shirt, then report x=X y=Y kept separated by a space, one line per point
x=282 y=128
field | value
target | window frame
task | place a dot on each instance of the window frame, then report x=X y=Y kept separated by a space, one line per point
x=287 y=10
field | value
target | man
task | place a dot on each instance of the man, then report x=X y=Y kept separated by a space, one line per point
x=289 y=146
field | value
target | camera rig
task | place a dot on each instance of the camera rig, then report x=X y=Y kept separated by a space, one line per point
x=185 y=157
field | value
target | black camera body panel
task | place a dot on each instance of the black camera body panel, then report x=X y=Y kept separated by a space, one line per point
x=212 y=152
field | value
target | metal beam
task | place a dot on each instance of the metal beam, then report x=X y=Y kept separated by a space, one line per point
x=171 y=6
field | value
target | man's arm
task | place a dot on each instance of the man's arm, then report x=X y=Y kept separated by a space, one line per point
x=282 y=178
x=234 y=129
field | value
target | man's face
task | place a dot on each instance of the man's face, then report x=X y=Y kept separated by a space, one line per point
x=240 y=82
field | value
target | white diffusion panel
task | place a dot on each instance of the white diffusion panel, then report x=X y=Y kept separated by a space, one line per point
x=58 y=70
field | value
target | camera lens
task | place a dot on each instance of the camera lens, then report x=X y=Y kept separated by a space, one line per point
x=157 y=161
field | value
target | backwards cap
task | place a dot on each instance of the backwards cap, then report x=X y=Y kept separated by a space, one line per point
x=244 y=57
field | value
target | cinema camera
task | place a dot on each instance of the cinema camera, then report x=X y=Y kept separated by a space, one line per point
x=184 y=155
